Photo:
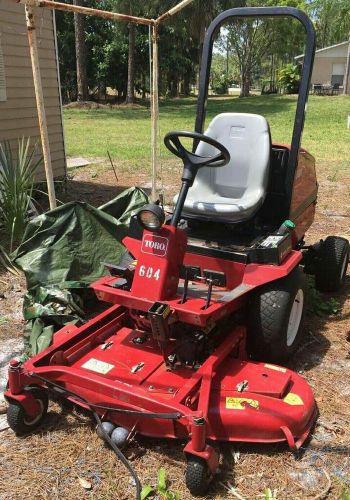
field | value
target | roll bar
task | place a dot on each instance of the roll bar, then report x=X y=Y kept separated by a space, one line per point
x=258 y=12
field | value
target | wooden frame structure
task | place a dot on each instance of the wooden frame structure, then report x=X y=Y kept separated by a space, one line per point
x=152 y=23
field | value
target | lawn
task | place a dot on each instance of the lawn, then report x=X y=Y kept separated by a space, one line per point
x=125 y=132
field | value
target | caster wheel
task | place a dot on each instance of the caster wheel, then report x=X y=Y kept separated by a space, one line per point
x=198 y=476
x=17 y=418
x=332 y=264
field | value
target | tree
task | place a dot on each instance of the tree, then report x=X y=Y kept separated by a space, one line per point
x=250 y=39
x=80 y=51
x=116 y=54
x=66 y=55
x=130 y=95
x=331 y=19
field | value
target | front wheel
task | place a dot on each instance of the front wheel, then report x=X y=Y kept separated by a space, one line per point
x=198 y=476
x=17 y=418
x=275 y=318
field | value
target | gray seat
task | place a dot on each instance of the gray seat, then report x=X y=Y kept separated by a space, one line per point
x=235 y=192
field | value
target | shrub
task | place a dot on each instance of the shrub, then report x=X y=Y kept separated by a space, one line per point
x=289 y=78
x=16 y=187
x=220 y=84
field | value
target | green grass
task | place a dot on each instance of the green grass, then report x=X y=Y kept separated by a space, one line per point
x=125 y=132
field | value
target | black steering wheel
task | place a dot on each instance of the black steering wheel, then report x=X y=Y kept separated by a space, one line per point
x=173 y=143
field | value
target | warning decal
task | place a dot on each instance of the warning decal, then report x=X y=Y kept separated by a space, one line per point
x=293 y=399
x=277 y=368
x=97 y=366
x=241 y=403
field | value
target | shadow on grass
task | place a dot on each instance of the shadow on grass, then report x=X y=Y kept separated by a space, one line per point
x=93 y=193
x=186 y=108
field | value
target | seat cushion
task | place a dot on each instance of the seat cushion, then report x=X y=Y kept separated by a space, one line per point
x=233 y=210
x=235 y=192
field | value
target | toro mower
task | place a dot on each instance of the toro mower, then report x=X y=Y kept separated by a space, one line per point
x=207 y=303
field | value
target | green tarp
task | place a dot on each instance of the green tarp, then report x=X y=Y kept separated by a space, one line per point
x=62 y=253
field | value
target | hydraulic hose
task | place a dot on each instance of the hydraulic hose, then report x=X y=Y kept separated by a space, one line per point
x=114 y=447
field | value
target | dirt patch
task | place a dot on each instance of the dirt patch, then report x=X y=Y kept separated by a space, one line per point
x=48 y=463
x=99 y=105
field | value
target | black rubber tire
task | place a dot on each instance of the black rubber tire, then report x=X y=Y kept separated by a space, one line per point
x=269 y=312
x=198 y=476
x=330 y=271
x=17 y=418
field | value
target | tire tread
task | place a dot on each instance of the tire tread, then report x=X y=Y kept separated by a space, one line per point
x=333 y=251
x=16 y=414
x=267 y=317
x=197 y=477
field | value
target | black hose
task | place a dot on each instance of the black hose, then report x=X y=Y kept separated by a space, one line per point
x=114 y=447
x=120 y=455
x=135 y=413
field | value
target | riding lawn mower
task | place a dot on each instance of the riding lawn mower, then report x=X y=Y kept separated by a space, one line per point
x=208 y=303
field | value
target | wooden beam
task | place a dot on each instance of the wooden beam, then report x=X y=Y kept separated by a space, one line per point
x=173 y=11
x=33 y=48
x=87 y=11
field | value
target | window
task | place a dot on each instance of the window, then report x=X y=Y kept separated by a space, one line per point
x=3 y=96
x=338 y=70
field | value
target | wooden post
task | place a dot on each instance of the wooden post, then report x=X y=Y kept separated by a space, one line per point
x=154 y=110
x=33 y=47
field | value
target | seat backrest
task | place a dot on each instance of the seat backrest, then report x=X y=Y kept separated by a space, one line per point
x=247 y=138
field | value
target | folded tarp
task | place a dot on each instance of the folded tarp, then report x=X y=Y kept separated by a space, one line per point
x=62 y=253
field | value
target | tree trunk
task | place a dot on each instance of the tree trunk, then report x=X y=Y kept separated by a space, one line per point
x=187 y=85
x=143 y=85
x=245 y=81
x=130 y=96
x=80 y=51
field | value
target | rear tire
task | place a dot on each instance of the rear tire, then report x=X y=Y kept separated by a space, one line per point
x=332 y=264
x=275 y=318
x=198 y=476
x=17 y=418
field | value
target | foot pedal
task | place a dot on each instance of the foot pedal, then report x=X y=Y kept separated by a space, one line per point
x=120 y=272
x=159 y=317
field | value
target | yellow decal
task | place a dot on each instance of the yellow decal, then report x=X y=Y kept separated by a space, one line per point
x=293 y=399
x=240 y=403
x=277 y=368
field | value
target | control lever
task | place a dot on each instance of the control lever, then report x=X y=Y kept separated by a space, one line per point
x=210 y=282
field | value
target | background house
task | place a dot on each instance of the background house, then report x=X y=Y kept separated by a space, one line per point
x=18 y=112
x=330 y=64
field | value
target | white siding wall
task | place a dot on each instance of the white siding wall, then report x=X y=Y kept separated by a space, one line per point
x=18 y=113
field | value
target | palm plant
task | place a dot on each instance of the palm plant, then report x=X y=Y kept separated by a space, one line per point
x=16 y=187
